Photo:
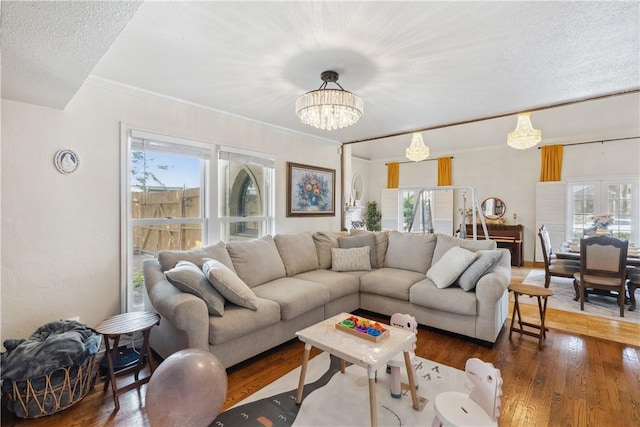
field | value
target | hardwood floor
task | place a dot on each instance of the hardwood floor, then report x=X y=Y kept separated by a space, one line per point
x=588 y=374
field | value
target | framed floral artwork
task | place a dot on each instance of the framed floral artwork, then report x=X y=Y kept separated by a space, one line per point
x=310 y=190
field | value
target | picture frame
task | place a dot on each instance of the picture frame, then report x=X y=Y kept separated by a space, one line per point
x=311 y=190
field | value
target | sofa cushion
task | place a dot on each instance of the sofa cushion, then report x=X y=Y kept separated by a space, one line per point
x=451 y=299
x=189 y=278
x=238 y=321
x=298 y=252
x=256 y=261
x=445 y=243
x=484 y=262
x=358 y=242
x=339 y=284
x=295 y=296
x=382 y=242
x=168 y=259
x=409 y=251
x=324 y=241
x=352 y=259
x=390 y=282
x=447 y=269
x=229 y=284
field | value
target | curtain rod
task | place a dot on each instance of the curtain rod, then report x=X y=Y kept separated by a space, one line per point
x=498 y=116
x=601 y=141
x=425 y=160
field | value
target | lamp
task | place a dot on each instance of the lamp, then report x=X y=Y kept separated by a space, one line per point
x=329 y=108
x=417 y=151
x=524 y=136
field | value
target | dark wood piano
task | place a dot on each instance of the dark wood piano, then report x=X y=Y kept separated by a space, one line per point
x=507 y=236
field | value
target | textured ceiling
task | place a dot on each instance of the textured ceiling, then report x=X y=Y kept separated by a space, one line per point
x=415 y=64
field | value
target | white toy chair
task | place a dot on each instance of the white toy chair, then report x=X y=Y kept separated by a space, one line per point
x=394 y=366
x=481 y=407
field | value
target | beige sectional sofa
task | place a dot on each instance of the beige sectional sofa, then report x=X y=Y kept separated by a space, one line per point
x=287 y=282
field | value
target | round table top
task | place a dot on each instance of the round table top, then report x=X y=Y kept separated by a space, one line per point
x=531 y=290
x=128 y=323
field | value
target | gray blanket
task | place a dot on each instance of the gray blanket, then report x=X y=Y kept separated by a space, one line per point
x=52 y=346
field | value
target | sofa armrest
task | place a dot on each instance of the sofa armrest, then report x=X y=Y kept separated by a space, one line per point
x=184 y=311
x=491 y=286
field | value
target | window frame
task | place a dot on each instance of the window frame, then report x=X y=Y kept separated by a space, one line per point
x=127 y=136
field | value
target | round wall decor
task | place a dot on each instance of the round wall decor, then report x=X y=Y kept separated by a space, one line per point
x=66 y=161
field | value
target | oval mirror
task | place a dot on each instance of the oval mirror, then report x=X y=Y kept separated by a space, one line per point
x=357 y=187
x=493 y=208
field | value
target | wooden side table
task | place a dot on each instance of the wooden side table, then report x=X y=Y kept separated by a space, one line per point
x=532 y=291
x=126 y=324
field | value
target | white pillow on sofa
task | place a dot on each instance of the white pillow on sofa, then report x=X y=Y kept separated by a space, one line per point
x=229 y=284
x=448 y=268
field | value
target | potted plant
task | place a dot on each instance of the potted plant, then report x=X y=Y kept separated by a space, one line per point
x=372 y=217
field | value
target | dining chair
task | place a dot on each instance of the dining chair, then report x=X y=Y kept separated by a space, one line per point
x=558 y=267
x=632 y=285
x=603 y=265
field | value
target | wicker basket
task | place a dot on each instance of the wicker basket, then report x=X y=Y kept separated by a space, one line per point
x=53 y=392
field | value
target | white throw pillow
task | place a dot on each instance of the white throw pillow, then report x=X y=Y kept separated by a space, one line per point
x=452 y=264
x=352 y=259
x=229 y=284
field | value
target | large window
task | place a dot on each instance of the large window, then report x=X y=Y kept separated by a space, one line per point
x=617 y=199
x=180 y=194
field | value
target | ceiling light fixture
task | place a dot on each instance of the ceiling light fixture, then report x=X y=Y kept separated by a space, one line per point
x=417 y=151
x=329 y=108
x=524 y=136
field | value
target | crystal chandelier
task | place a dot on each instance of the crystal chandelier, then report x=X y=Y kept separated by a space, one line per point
x=524 y=136
x=329 y=108
x=417 y=151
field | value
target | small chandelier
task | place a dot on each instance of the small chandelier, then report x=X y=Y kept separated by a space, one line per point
x=417 y=151
x=524 y=136
x=329 y=108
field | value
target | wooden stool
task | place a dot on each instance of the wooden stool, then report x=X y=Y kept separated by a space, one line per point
x=532 y=291
x=126 y=324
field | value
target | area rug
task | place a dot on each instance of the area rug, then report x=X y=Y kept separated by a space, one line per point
x=563 y=294
x=335 y=399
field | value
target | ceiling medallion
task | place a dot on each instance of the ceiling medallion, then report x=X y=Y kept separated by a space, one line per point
x=329 y=108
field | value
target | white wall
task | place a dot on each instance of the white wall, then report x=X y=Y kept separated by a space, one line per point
x=61 y=233
x=511 y=175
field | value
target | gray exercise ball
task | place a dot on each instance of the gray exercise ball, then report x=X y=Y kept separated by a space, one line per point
x=187 y=389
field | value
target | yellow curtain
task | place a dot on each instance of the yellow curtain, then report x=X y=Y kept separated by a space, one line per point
x=444 y=171
x=551 y=165
x=393 y=175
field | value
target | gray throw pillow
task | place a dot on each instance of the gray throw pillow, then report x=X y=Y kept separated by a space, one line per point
x=382 y=242
x=168 y=259
x=484 y=262
x=352 y=259
x=448 y=268
x=189 y=278
x=359 y=242
x=229 y=284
